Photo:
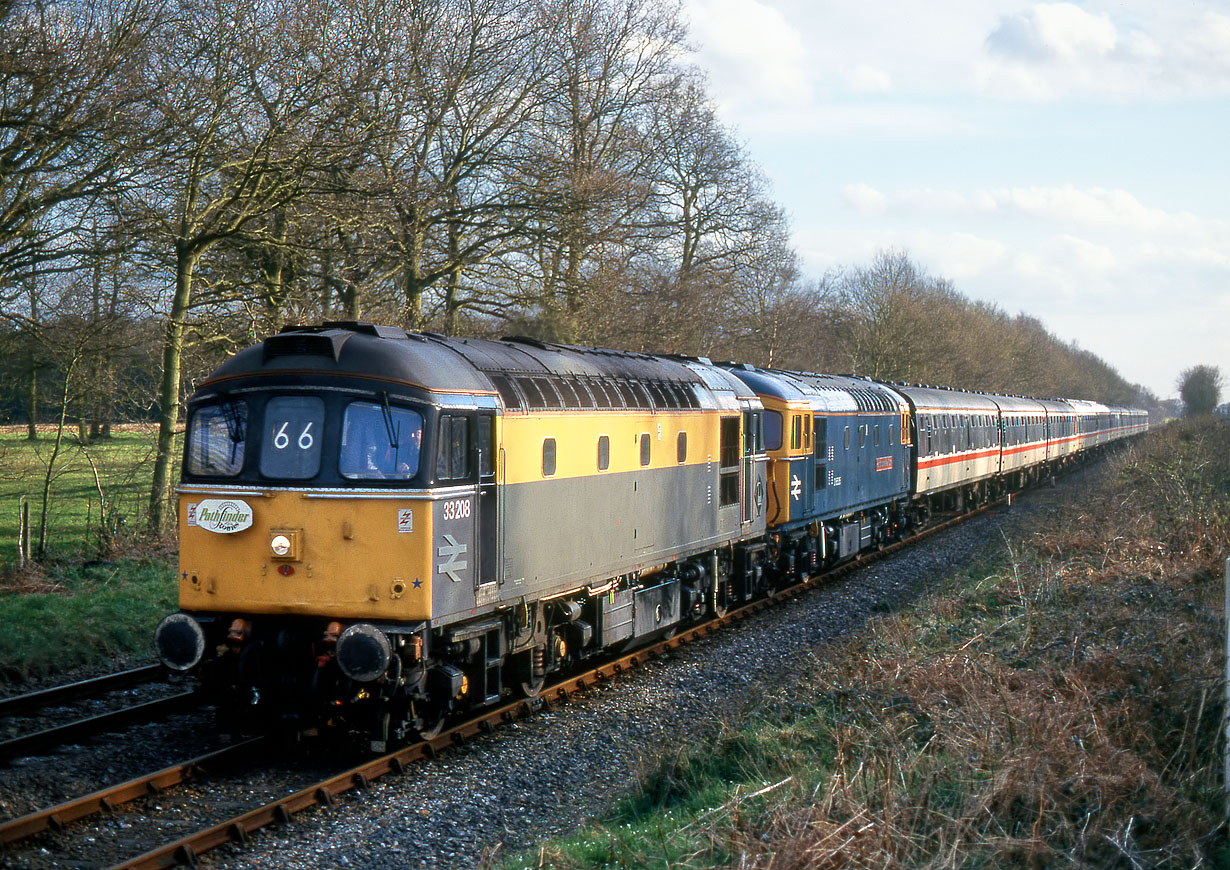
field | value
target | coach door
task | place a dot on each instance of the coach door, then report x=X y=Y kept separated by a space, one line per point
x=750 y=483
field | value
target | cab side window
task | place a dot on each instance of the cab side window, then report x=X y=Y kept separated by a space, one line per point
x=453 y=448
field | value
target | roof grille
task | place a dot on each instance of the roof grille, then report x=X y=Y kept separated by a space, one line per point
x=305 y=344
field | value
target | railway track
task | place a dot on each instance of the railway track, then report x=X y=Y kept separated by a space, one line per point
x=89 y=726
x=176 y=849
x=18 y=704
x=34 y=735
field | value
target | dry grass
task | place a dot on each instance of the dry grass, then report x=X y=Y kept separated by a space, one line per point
x=1064 y=709
x=1060 y=707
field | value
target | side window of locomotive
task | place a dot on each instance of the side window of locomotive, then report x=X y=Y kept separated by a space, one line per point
x=645 y=447
x=486 y=445
x=453 y=448
x=379 y=442
x=728 y=461
x=847 y=438
x=548 y=457
x=216 y=438
x=772 y=430
x=604 y=452
x=681 y=448
x=290 y=448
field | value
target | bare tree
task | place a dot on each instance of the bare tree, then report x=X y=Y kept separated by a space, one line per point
x=242 y=105
x=68 y=126
x=458 y=81
x=611 y=59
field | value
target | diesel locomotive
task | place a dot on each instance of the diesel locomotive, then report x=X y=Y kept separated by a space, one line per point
x=380 y=528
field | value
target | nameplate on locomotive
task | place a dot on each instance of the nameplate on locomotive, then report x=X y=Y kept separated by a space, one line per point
x=221 y=516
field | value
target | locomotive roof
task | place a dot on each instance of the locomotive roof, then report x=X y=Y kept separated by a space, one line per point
x=822 y=392
x=461 y=365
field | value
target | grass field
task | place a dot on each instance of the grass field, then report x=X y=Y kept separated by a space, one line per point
x=95 y=599
x=112 y=473
x=1060 y=706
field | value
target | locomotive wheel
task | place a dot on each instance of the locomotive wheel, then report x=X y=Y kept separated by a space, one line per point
x=532 y=678
x=533 y=688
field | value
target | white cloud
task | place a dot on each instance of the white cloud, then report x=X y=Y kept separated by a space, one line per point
x=1097 y=209
x=751 y=52
x=959 y=255
x=1054 y=30
x=867 y=79
x=1051 y=50
x=1079 y=257
x=863 y=197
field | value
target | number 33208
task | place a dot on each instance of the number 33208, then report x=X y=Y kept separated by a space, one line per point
x=456 y=510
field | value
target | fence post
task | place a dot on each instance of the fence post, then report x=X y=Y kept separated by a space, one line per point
x=23 y=532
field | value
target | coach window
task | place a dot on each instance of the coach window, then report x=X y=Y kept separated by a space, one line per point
x=644 y=449
x=548 y=457
x=681 y=448
x=604 y=452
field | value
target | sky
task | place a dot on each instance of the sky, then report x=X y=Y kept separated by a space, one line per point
x=1069 y=161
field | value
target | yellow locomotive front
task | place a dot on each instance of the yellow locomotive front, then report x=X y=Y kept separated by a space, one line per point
x=279 y=549
x=319 y=472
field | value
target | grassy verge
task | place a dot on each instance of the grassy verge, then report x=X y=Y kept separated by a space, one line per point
x=1059 y=706
x=84 y=615
x=102 y=587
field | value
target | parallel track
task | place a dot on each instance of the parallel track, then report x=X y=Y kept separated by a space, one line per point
x=18 y=704
x=92 y=725
x=108 y=799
